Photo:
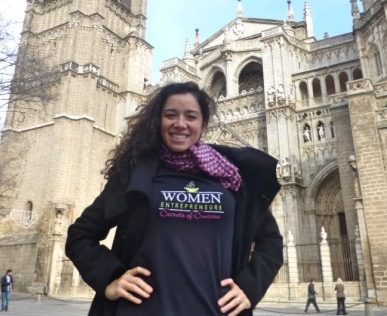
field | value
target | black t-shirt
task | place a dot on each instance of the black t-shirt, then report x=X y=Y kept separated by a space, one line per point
x=187 y=246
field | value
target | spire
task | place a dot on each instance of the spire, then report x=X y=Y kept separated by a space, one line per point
x=197 y=37
x=308 y=19
x=355 y=9
x=187 y=48
x=239 y=9
x=188 y=57
x=290 y=11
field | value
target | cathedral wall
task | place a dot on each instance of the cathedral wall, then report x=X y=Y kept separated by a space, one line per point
x=373 y=185
x=18 y=252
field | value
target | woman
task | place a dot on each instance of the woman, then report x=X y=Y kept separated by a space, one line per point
x=187 y=215
x=340 y=296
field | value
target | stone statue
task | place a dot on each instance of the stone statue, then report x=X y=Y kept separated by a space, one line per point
x=286 y=173
x=278 y=170
x=321 y=131
x=291 y=95
x=58 y=223
x=356 y=185
x=281 y=94
x=227 y=36
x=306 y=134
x=323 y=235
x=271 y=97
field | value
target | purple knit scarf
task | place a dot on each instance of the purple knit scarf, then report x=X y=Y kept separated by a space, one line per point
x=202 y=157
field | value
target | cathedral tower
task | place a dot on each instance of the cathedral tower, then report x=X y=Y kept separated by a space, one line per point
x=56 y=150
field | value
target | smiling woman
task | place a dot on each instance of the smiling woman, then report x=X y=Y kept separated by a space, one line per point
x=183 y=208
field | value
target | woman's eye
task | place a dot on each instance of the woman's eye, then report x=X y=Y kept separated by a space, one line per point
x=169 y=115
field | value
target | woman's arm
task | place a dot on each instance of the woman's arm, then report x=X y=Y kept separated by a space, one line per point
x=97 y=264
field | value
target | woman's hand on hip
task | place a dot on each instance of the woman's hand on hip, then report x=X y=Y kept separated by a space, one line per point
x=235 y=300
x=128 y=284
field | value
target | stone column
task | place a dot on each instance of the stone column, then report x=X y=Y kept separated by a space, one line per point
x=326 y=266
x=336 y=80
x=360 y=263
x=324 y=95
x=229 y=73
x=57 y=250
x=292 y=267
x=310 y=91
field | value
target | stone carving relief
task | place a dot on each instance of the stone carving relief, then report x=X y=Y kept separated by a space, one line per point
x=280 y=113
x=238 y=28
x=50 y=5
x=380 y=89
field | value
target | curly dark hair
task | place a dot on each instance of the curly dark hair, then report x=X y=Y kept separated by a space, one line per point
x=143 y=136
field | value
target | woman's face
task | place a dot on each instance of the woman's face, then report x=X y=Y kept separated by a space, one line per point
x=181 y=122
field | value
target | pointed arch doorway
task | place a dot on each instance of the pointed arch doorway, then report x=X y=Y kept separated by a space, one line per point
x=329 y=212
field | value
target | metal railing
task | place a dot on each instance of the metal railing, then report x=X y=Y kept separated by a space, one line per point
x=343 y=259
x=309 y=262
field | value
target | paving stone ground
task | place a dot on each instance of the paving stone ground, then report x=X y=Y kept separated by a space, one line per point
x=27 y=305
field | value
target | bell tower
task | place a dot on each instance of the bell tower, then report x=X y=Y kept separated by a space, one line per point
x=56 y=149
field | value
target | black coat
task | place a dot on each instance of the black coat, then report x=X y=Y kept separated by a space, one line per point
x=125 y=201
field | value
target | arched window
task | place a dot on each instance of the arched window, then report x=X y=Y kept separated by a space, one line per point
x=357 y=74
x=343 y=78
x=330 y=85
x=375 y=61
x=316 y=88
x=378 y=63
x=218 y=85
x=251 y=77
x=304 y=91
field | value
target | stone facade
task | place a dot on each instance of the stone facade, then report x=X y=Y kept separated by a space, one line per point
x=319 y=106
x=103 y=61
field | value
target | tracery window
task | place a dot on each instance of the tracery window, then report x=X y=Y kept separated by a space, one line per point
x=251 y=77
x=378 y=63
x=304 y=91
x=316 y=88
x=218 y=86
x=330 y=85
x=357 y=74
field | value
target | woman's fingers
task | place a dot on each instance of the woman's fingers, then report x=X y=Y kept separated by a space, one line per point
x=131 y=282
x=136 y=283
x=235 y=300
